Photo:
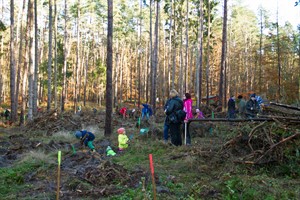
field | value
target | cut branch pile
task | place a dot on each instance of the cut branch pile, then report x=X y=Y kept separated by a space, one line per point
x=268 y=141
x=52 y=122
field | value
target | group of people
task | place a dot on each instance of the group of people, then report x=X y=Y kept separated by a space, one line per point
x=86 y=138
x=174 y=104
x=146 y=112
x=173 y=127
x=242 y=108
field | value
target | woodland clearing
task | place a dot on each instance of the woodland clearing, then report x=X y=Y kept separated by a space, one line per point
x=236 y=160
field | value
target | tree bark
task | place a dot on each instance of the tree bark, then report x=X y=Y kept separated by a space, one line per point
x=223 y=56
x=14 y=103
x=49 y=98
x=63 y=96
x=208 y=54
x=36 y=61
x=109 y=63
x=30 y=63
x=199 y=55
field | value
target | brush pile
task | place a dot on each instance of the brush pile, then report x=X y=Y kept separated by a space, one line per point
x=268 y=142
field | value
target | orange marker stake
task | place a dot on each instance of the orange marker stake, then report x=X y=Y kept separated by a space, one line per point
x=152 y=173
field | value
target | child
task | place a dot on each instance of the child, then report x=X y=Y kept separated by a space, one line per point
x=86 y=138
x=123 y=112
x=122 y=139
x=146 y=111
x=199 y=114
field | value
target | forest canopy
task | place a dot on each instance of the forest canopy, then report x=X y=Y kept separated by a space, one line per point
x=55 y=52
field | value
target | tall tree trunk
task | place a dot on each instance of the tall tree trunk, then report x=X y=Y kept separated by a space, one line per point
x=63 y=96
x=76 y=94
x=155 y=59
x=260 y=51
x=26 y=61
x=174 y=55
x=186 y=81
x=151 y=51
x=20 y=57
x=170 y=48
x=181 y=75
x=50 y=58
x=30 y=64
x=278 y=58
x=55 y=55
x=139 y=55
x=12 y=65
x=200 y=53
x=36 y=61
x=223 y=56
x=85 y=75
x=109 y=63
x=208 y=54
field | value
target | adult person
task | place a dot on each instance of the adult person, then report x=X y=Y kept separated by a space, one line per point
x=231 y=107
x=187 y=107
x=242 y=106
x=175 y=104
x=166 y=124
x=252 y=107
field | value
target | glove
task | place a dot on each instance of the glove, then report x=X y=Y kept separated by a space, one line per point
x=251 y=108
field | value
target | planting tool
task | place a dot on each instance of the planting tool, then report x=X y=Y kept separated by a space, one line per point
x=185 y=132
x=74 y=150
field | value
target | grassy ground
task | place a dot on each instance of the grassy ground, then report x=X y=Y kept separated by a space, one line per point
x=204 y=170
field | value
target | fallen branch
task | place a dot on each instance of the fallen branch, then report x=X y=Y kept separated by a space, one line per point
x=285 y=106
x=274 y=145
x=252 y=132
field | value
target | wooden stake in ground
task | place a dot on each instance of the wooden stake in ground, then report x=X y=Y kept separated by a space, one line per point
x=58 y=174
x=185 y=132
x=152 y=173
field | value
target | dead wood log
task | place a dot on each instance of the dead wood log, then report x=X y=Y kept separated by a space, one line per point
x=281 y=117
x=252 y=132
x=275 y=145
x=285 y=106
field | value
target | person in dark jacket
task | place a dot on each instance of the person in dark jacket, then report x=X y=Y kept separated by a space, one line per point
x=242 y=107
x=86 y=138
x=231 y=107
x=252 y=107
x=166 y=124
x=175 y=104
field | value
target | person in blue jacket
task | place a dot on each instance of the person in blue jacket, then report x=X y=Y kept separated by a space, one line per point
x=146 y=111
x=86 y=138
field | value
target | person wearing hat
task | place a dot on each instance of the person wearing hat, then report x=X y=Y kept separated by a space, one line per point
x=174 y=104
x=231 y=107
x=252 y=107
x=86 y=138
x=122 y=139
x=199 y=114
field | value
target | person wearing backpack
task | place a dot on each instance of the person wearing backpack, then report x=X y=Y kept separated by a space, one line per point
x=174 y=104
x=187 y=107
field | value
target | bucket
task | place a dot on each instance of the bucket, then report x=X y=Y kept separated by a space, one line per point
x=144 y=131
